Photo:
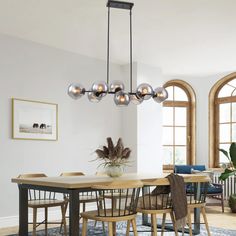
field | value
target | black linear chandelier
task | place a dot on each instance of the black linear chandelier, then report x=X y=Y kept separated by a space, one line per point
x=121 y=98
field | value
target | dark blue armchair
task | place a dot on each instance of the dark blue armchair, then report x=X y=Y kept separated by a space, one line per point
x=214 y=190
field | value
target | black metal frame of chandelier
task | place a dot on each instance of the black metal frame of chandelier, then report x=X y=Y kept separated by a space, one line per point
x=120 y=4
x=130 y=93
x=126 y=6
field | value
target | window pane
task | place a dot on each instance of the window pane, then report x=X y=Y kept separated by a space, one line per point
x=168 y=155
x=234 y=92
x=179 y=94
x=180 y=156
x=232 y=82
x=224 y=112
x=223 y=158
x=181 y=116
x=168 y=115
x=233 y=132
x=234 y=112
x=170 y=93
x=225 y=91
x=224 y=133
x=180 y=136
x=167 y=135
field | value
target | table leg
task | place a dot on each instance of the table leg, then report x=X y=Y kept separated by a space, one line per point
x=144 y=216
x=196 y=228
x=74 y=213
x=23 y=211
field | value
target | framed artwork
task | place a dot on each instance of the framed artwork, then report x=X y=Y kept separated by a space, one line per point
x=34 y=120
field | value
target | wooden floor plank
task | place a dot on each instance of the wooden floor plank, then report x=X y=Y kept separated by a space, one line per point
x=214 y=215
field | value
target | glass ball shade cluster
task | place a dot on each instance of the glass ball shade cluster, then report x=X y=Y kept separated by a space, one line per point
x=121 y=98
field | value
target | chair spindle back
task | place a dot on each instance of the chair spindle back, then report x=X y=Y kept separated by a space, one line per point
x=117 y=200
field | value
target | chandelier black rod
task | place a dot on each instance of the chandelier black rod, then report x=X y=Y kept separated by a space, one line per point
x=108 y=45
x=109 y=92
x=131 y=53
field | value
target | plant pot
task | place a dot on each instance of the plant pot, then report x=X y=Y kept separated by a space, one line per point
x=114 y=170
x=232 y=203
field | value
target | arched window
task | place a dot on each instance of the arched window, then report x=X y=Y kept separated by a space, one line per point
x=222 y=100
x=178 y=124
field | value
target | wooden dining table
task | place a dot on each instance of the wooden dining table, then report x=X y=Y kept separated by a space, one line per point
x=73 y=185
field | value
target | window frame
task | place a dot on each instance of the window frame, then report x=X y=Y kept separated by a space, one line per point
x=214 y=103
x=191 y=118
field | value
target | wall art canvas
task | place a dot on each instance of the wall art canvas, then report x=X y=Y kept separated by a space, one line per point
x=34 y=120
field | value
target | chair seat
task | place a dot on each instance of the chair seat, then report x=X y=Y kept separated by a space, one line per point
x=93 y=215
x=154 y=211
x=212 y=189
x=45 y=203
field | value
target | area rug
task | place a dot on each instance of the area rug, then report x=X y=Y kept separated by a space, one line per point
x=142 y=230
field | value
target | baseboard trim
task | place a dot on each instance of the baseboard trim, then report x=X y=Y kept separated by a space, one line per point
x=11 y=221
x=53 y=215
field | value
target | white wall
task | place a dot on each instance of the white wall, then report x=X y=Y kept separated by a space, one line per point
x=129 y=119
x=36 y=72
x=150 y=158
x=142 y=124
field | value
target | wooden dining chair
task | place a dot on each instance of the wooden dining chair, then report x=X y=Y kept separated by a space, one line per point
x=196 y=198
x=43 y=199
x=110 y=209
x=156 y=200
x=84 y=197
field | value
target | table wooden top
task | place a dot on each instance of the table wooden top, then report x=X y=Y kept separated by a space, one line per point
x=87 y=181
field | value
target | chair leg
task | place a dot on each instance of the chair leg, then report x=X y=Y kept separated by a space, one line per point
x=110 y=229
x=34 y=221
x=66 y=206
x=63 y=213
x=84 y=227
x=84 y=206
x=46 y=221
x=103 y=228
x=134 y=226
x=189 y=222
x=95 y=223
x=222 y=202
x=163 y=224
x=154 y=224
x=114 y=228
x=205 y=220
x=128 y=228
x=174 y=223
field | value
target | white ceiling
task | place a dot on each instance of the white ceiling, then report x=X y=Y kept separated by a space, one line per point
x=180 y=36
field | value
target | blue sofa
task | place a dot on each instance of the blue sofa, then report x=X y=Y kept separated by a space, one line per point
x=214 y=190
x=186 y=169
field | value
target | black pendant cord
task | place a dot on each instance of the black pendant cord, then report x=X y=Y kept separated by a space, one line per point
x=131 y=54
x=108 y=47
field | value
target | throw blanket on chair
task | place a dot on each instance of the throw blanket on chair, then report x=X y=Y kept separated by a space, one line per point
x=179 y=199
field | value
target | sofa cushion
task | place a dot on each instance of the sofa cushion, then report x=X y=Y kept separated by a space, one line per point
x=187 y=169
x=211 y=189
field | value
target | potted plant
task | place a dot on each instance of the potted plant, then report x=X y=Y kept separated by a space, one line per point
x=230 y=170
x=232 y=203
x=113 y=158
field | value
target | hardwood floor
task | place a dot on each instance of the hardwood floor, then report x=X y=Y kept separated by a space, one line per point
x=215 y=218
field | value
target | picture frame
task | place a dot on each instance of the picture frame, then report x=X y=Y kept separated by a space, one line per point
x=34 y=120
